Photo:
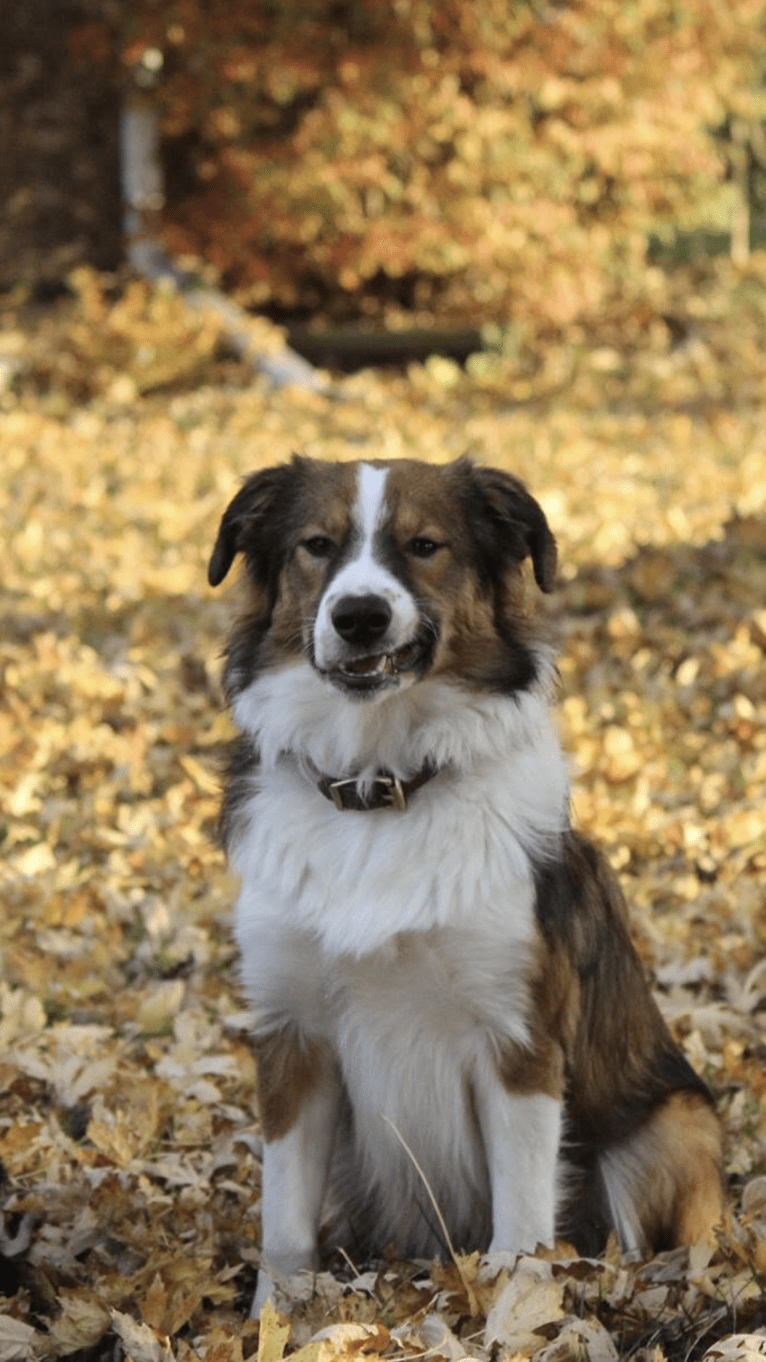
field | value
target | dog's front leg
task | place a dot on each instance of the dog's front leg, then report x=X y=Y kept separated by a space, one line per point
x=299 y=1094
x=522 y=1133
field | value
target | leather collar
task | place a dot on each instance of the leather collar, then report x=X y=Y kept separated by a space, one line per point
x=386 y=791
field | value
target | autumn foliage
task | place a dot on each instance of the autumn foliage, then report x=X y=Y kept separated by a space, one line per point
x=492 y=159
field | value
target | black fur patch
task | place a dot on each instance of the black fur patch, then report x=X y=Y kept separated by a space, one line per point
x=580 y=907
x=242 y=767
x=508 y=523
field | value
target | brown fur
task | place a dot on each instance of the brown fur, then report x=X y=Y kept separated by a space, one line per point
x=289 y=1067
x=536 y=1068
x=680 y=1151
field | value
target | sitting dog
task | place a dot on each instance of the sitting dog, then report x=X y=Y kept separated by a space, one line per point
x=440 y=970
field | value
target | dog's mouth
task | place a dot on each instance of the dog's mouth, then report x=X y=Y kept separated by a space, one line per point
x=375 y=671
x=381 y=664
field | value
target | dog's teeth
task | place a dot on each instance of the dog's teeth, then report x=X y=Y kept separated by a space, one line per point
x=366 y=666
x=380 y=664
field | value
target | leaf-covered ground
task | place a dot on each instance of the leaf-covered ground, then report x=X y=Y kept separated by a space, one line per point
x=128 y=1138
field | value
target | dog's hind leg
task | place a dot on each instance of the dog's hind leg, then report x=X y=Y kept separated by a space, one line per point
x=644 y=1140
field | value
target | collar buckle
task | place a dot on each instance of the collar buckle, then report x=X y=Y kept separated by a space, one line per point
x=387 y=793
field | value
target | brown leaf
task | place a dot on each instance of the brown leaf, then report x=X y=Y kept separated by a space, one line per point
x=531 y=1300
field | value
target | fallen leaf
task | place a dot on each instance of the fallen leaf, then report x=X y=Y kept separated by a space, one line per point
x=19 y=1341
x=141 y=1342
x=738 y=1348
x=529 y=1301
x=579 y=1338
x=83 y=1321
x=273 y=1334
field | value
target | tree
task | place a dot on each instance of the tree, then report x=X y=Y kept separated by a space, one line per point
x=497 y=158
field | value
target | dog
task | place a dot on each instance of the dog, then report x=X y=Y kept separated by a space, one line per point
x=446 y=1002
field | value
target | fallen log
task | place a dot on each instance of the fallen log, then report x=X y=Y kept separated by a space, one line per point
x=348 y=348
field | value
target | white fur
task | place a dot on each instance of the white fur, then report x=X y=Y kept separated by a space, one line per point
x=522 y=1137
x=624 y=1172
x=363 y=574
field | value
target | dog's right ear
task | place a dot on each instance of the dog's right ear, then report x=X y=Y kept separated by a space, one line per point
x=251 y=521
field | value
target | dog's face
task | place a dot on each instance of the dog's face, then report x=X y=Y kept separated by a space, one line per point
x=379 y=574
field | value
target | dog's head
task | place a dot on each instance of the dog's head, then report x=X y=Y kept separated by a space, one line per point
x=380 y=574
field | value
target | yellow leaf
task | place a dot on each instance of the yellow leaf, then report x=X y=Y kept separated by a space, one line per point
x=112 y=1138
x=155 y=1302
x=161 y=1005
x=346 y=1339
x=203 y=779
x=36 y=860
x=313 y=1352
x=529 y=1301
x=273 y=1335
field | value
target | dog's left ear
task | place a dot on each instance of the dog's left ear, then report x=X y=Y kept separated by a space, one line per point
x=521 y=521
x=250 y=522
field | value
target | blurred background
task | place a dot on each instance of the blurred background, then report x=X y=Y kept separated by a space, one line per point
x=524 y=170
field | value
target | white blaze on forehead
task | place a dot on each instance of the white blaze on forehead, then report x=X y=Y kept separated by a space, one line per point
x=370 y=504
x=364 y=574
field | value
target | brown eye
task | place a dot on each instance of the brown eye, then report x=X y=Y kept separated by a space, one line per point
x=319 y=546
x=421 y=547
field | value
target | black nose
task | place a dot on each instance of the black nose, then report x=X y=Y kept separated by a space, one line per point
x=362 y=620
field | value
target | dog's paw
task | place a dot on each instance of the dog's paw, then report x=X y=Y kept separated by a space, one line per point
x=283 y=1292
